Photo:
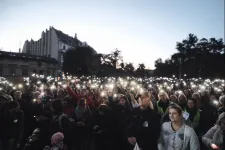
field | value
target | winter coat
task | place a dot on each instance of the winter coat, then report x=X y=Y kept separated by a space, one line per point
x=145 y=127
x=77 y=97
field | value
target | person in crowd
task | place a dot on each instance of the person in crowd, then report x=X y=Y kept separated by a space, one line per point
x=68 y=107
x=26 y=107
x=77 y=97
x=83 y=116
x=214 y=138
x=33 y=141
x=175 y=134
x=144 y=127
x=197 y=97
x=60 y=93
x=124 y=119
x=13 y=125
x=60 y=122
x=209 y=114
x=121 y=109
x=182 y=101
x=104 y=129
x=28 y=94
x=82 y=111
x=187 y=93
x=173 y=99
x=212 y=97
x=57 y=142
x=163 y=102
x=194 y=113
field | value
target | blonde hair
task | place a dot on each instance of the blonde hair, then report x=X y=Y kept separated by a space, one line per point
x=149 y=95
x=163 y=93
x=183 y=96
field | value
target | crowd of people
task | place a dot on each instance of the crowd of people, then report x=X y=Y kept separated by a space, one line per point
x=90 y=113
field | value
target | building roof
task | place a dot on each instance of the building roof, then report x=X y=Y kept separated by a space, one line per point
x=70 y=40
x=25 y=56
x=66 y=38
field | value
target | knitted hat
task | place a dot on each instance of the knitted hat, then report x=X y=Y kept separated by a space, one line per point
x=57 y=138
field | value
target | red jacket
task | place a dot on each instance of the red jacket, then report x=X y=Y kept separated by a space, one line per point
x=77 y=97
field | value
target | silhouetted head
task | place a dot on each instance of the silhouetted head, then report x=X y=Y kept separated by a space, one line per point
x=57 y=106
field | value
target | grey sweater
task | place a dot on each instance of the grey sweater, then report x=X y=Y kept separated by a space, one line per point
x=183 y=139
x=215 y=136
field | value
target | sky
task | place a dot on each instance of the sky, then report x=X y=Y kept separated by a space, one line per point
x=143 y=30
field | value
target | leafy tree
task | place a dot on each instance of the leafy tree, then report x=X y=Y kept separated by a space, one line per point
x=78 y=61
x=141 y=70
x=129 y=68
x=204 y=57
x=112 y=59
x=122 y=66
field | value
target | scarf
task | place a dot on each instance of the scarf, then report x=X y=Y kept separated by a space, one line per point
x=164 y=105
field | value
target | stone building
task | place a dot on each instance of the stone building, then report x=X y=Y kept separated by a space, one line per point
x=23 y=65
x=53 y=44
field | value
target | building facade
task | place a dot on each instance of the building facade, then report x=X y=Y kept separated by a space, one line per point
x=24 y=65
x=53 y=44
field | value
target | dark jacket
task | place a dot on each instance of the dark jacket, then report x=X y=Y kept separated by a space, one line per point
x=145 y=127
x=13 y=125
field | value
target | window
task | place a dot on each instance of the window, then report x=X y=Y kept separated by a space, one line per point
x=53 y=71
x=24 y=71
x=48 y=72
x=62 y=58
x=41 y=72
x=1 y=71
x=12 y=71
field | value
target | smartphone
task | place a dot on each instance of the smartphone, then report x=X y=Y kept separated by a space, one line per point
x=186 y=115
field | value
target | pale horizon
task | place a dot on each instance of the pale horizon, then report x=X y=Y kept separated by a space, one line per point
x=144 y=31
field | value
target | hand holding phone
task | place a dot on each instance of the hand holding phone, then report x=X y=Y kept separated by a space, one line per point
x=214 y=146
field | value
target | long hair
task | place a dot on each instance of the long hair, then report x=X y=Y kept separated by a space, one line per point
x=149 y=95
x=163 y=93
x=127 y=105
x=176 y=107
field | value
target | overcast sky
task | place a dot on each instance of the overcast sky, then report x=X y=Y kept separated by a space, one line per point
x=143 y=30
